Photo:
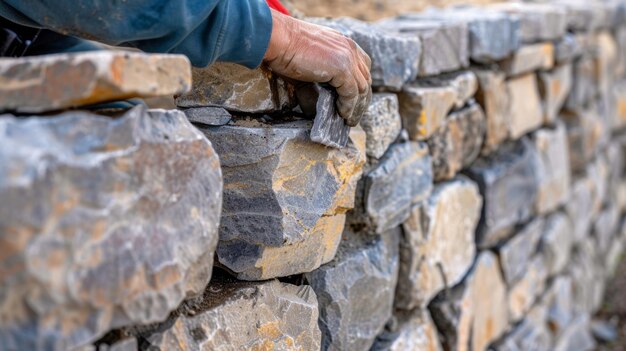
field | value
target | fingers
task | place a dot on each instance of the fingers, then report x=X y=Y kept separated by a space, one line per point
x=354 y=86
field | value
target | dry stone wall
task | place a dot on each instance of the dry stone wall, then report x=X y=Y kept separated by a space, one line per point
x=479 y=205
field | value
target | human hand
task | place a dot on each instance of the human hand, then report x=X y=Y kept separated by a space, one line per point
x=311 y=53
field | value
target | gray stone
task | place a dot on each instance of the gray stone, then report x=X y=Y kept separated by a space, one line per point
x=554 y=87
x=598 y=173
x=530 y=334
x=509 y=188
x=105 y=222
x=605 y=229
x=585 y=133
x=445 y=43
x=210 y=116
x=556 y=243
x=587 y=277
x=494 y=97
x=329 y=128
x=619 y=107
x=529 y=58
x=538 y=22
x=409 y=331
x=466 y=320
x=584 y=16
x=284 y=195
x=395 y=57
x=552 y=168
x=424 y=107
x=402 y=179
x=516 y=254
x=458 y=143
x=55 y=82
x=465 y=84
x=237 y=315
x=560 y=302
x=124 y=345
x=604 y=331
x=577 y=336
x=525 y=292
x=350 y=319
x=584 y=85
x=438 y=247
x=382 y=124
x=568 y=48
x=526 y=112
x=580 y=208
x=238 y=89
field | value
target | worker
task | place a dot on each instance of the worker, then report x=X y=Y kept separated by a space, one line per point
x=247 y=32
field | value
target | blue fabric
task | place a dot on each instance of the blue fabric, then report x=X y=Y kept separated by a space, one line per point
x=204 y=30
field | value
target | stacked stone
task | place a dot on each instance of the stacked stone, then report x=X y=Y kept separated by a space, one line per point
x=478 y=205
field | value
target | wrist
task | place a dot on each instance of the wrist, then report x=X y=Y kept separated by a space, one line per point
x=280 y=37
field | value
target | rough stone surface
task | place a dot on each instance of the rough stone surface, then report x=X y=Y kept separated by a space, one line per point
x=124 y=345
x=209 y=116
x=235 y=315
x=577 y=336
x=525 y=292
x=556 y=243
x=509 y=187
x=238 y=89
x=494 y=97
x=438 y=247
x=538 y=22
x=552 y=168
x=445 y=43
x=458 y=143
x=587 y=278
x=382 y=124
x=619 y=107
x=53 y=82
x=554 y=87
x=424 y=108
x=585 y=134
x=349 y=318
x=580 y=208
x=409 y=331
x=605 y=229
x=529 y=58
x=104 y=222
x=530 y=334
x=284 y=196
x=560 y=302
x=525 y=113
x=402 y=179
x=395 y=58
x=465 y=84
x=584 y=85
x=464 y=317
x=568 y=48
x=329 y=128
x=516 y=254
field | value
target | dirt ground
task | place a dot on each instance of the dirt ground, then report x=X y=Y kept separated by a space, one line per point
x=614 y=308
x=371 y=9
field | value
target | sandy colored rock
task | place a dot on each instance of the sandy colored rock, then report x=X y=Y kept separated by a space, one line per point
x=619 y=107
x=467 y=320
x=530 y=334
x=105 y=222
x=529 y=58
x=349 y=318
x=527 y=290
x=437 y=248
x=526 y=114
x=554 y=87
x=409 y=331
x=458 y=143
x=556 y=243
x=382 y=124
x=568 y=48
x=237 y=315
x=494 y=98
x=585 y=134
x=238 y=89
x=424 y=108
x=297 y=191
x=516 y=254
x=54 y=82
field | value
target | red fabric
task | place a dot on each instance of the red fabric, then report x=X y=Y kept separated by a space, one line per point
x=276 y=5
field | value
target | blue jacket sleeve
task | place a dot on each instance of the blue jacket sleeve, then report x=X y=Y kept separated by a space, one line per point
x=204 y=30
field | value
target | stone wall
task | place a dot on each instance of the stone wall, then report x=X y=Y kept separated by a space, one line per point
x=478 y=206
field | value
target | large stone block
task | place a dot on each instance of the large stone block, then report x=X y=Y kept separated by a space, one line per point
x=532 y=333
x=402 y=179
x=584 y=16
x=350 y=319
x=516 y=254
x=458 y=143
x=395 y=57
x=559 y=300
x=526 y=113
x=554 y=87
x=552 y=168
x=54 y=82
x=529 y=58
x=445 y=43
x=523 y=294
x=424 y=108
x=587 y=276
x=382 y=124
x=538 y=22
x=409 y=331
x=585 y=134
x=236 y=316
x=577 y=336
x=584 y=85
x=557 y=243
x=465 y=318
x=284 y=195
x=104 y=222
x=580 y=208
x=605 y=230
x=494 y=97
x=438 y=247
x=238 y=89
x=568 y=48
x=509 y=187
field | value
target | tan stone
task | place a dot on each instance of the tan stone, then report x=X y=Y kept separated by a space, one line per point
x=525 y=113
x=412 y=331
x=495 y=100
x=516 y=254
x=53 y=82
x=554 y=86
x=606 y=61
x=529 y=58
x=619 y=104
x=525 y=292
x=474 y=314
x=438 y=244
x=424 y=108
